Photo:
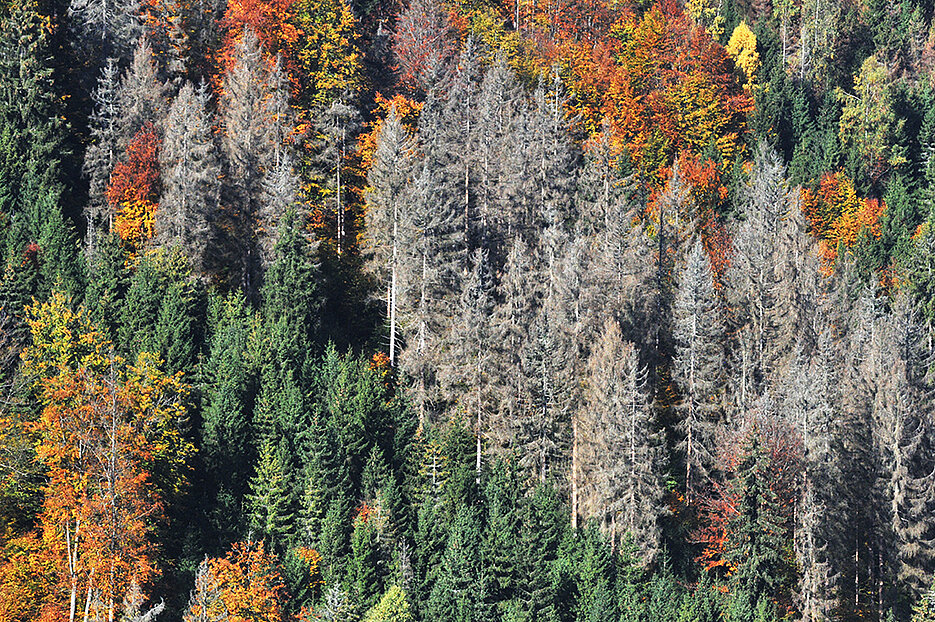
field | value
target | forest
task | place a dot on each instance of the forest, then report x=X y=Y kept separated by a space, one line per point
x=467 y=310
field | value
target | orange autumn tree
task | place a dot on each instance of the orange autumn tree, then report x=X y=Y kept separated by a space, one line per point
x=104 y=427
x=316 y=41
x=837 y=215
x=243 y=586
x=665 y=83
x=133 y=191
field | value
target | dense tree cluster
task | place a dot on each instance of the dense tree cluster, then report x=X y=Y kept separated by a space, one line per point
x=359 y=310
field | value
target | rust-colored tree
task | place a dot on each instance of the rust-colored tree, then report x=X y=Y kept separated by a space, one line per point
x=133 y=191
x=243 y=586
x=103 y=430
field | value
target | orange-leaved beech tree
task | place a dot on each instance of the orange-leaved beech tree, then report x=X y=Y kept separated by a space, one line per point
x=315 y=40
x=665 y=83
x=109 y=439
x=243 y=586
x=838 y=215
x=133 y=191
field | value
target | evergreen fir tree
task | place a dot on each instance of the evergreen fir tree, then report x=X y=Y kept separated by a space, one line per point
x=699 y=335
x=229 y=388
x=755 y=547
x=269 y=503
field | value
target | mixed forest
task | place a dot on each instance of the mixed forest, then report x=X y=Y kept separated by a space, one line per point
x=467 y=310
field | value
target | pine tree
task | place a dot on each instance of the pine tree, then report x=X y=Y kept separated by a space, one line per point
x=519 y=292
x=621 y=456
x=388 y=211
x=543 y=425
x=810 y=399
x=602 y=186
x=336 y=128
x=290 y=299
x=539 y=541
x=754 y=541
x=903 y=437
x=141 y=99
x=496 y=182
x=102 y=153
x=699 y=335
x=455 y=592
x=461 y=135
x=500 y=549
x=440 y=257
x=367 y=569
x=104 y=30
x=175 y=334
x=464 y=371
x=752 y=278
x=190 y=172
x=269 y=503
x=228 y=404
x=280 y=196
x=255 y=121
x=32 y=146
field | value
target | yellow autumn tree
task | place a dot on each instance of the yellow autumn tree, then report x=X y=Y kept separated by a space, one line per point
x=109 y=443
x=868 y=122
x=708 y=14
x=328 y=53
x=742 y=48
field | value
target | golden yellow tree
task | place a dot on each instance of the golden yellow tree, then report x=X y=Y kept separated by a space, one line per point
x=742 y=48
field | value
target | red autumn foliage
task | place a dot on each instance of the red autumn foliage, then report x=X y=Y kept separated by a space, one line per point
x=719 y=506
x=134 y=189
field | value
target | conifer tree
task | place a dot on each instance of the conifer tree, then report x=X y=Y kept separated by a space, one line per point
x=269 y=503
x=290 y=299
x=388 y=212
x=903 y=437
x=440 y=257
x=104 y=30
x=31 y=149
x=228 y=405
x=699 y=334
x=754 y=546
x=190 y=172
x=621 y=456
x=367 y=565
x=519 y=292
x=752 y=277
x=255 y=120
x=142 y=97
x=464 y=371
x=455 y=592
x=102 y=153
x=810 y=399
x=336 y=128
x=497 y=200
x=542 y=428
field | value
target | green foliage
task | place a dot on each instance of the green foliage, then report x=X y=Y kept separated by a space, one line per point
x=393 y=607
x=269 y=504
x=755 y=546
x=159 y=310
x=228 y=385
x=924 y=611
x=367 y=566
